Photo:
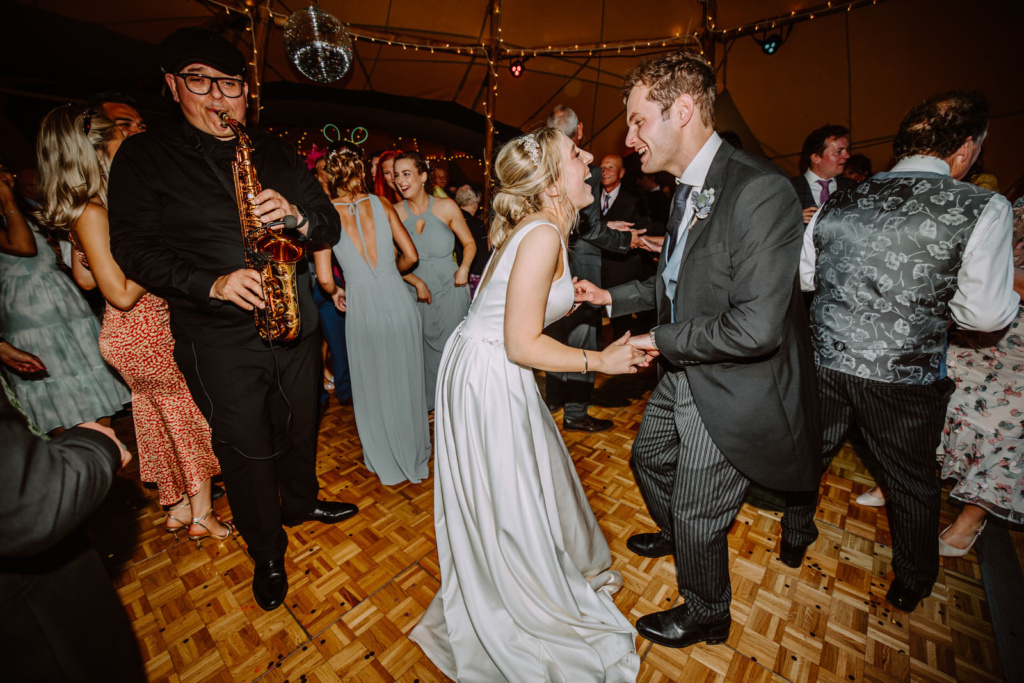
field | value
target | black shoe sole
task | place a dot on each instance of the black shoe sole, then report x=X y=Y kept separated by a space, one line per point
x=570 y=427
x=710 y=639
x=641 y=553
x=294 y=523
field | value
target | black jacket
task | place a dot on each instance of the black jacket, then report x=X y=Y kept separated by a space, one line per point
x=174 y=225
x=803 y=189
x=741 y=333
x=592 y=236
x=60 y=618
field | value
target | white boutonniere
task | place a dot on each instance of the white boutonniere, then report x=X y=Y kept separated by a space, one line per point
x=702 y=203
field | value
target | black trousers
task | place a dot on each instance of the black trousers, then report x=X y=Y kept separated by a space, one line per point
x=902 y=425
x=262 y=410
x=579 y=330
x=692 y=492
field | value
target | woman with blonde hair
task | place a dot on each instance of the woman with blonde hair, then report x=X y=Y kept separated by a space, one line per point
x=382 y=329
x=525 y=581
x=75 y=149
x=42 y=312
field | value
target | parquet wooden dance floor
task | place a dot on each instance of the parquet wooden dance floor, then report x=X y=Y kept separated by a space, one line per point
x=358 y=588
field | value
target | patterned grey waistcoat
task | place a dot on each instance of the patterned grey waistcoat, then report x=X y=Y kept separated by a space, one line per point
x=888 y=255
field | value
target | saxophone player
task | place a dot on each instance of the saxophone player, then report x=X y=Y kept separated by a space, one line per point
x=175 y=227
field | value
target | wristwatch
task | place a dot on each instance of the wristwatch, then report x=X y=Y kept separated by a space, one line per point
x=650 y=337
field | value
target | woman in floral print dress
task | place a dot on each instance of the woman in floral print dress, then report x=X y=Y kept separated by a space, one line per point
x=173 y=436
x=983 y=440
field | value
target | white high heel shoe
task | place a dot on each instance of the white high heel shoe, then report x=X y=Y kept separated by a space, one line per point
x=947 y=550
x=870 y=500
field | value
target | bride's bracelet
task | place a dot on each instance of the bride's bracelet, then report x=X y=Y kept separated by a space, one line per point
x=586 y=366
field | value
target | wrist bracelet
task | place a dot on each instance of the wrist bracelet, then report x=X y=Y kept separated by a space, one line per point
x=586 y=366
x=650 y=337
x=304 y=220
x=12 y=210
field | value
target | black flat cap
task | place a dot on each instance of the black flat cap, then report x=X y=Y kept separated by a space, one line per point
x=195 y=45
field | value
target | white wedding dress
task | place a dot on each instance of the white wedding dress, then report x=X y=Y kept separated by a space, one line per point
x=525 y=581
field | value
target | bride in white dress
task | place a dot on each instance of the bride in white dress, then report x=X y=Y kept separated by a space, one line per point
x=525 y=580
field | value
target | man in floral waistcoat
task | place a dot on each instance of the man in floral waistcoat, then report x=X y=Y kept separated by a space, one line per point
x=891 y=262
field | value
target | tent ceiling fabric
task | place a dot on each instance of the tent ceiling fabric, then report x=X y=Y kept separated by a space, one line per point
x=867 y=66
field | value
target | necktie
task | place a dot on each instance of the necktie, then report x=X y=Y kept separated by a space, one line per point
x=678 y=212
x=607 y=203
x=823 y=197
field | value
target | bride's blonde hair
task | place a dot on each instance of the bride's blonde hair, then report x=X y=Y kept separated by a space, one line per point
x=73 y=163
x=525 y=168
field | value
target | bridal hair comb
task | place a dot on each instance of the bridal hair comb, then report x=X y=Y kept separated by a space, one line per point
x=532 y=148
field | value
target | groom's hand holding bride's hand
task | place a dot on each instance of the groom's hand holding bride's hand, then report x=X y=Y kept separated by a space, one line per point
x=585 y=291
x=622 y=357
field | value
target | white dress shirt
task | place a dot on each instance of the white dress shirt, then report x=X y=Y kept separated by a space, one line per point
x=984 y=298
x=612 y=196
x=812 y=180
x=695 y=175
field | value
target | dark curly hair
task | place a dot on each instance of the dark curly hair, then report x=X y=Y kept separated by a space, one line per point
x=939 y=125
x=817 y=141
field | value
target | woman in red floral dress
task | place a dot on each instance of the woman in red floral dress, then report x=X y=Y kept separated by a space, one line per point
x=75 y=148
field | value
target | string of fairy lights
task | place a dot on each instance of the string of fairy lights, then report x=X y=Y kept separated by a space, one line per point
x=517 y=54
x=304 y=141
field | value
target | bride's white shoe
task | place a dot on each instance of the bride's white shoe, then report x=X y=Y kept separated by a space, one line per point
x=870 y=500
x=947 y=550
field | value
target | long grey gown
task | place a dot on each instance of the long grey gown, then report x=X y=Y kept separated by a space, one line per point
x=525 y=581
x=385 y=354
x=448 y=303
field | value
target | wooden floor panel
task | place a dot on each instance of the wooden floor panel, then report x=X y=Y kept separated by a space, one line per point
x=358 y=588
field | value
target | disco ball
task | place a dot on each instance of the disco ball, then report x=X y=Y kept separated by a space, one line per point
x=318 y=45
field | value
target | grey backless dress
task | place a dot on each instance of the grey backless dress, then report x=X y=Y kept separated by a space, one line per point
x=383 y=332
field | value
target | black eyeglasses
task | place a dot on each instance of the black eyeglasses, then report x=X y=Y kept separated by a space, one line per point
x=199 y=84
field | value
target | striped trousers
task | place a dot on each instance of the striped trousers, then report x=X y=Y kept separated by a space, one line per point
x=902 y=425
x=692 y=492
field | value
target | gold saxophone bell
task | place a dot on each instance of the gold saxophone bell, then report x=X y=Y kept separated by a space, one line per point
x=275 y=256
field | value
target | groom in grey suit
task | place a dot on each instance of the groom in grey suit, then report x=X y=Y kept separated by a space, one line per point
x=736 y=401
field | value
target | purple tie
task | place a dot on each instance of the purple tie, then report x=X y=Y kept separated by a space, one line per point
x=823 y=197
x=607 y=201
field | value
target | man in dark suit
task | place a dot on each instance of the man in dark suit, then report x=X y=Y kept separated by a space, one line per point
x=581 y=328
x=60 y=617
x=825 y=153
x=737 y=400
x=619 y=203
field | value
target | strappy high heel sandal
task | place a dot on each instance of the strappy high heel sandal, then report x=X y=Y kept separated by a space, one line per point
x=183 y=522
x=198 y=521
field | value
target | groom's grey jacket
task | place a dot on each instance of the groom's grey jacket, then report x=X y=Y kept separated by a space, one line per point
x=741 y=333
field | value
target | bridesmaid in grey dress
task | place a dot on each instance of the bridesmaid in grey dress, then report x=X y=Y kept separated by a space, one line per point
x=382 y=328
x=441 y=288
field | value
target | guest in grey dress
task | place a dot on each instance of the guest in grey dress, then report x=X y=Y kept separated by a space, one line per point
x=382 y=329
x=42 y=312
x=433 y=224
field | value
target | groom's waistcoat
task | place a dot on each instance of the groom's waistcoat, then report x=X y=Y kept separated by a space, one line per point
x=888 y=255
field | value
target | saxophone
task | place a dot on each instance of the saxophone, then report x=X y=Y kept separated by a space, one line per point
x=275 y=256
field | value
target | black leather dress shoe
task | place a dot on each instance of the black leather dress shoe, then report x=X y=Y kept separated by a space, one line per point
x=216 y=492
x=587 y=424
x=651 y=545
x=792 y=555
x=270 y=584
x=326 y=511
x=676 y=628
x=903 y=597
